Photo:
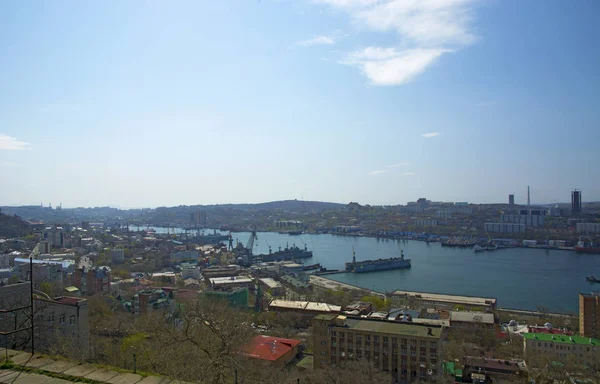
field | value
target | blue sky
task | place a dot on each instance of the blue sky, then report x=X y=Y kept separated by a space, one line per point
x=151 y=103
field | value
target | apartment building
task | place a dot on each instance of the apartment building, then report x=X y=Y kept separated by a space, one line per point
x=571 y=349
x=589 y=314
x=62 y=320
x=92 y=280
x=409 y=352
x=59 y=320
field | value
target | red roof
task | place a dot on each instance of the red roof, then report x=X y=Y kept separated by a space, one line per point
x=69 y=300
x=269 y=348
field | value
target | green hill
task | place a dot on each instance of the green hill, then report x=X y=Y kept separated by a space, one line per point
x=13 y=226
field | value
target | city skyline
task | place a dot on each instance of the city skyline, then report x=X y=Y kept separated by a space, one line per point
x=144 y=105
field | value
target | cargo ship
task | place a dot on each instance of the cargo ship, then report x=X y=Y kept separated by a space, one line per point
x=377 y=265
x=288 y=253
x=582 y=248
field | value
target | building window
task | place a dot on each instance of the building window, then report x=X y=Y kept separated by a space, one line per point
x=323 y=342
x=359 y=338
x=51 y=318
x=368 y=338
x=413 y=343
x=385 y=339
x=432 y=345
x=324 y=353
x=412 y=352
x=403 y=342
x=333 y=333
x=423 y=344
x=394 y=341
x=61 y=319
x=72 y=320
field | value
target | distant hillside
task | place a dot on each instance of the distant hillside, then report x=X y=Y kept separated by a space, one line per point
x=13 y=226
x=286 y=205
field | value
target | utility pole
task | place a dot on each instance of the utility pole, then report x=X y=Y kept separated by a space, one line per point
x=31 y=302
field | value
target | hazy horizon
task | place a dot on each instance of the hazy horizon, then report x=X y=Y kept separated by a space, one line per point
x=146 y=104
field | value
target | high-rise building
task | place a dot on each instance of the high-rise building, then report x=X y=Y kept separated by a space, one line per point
x=589 y=314
x=575 y=201
x=511 y=199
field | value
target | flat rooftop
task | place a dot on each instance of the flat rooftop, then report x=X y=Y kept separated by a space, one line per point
x=394 y=328
x=304 y=305
x=472 y=317
x=271 y=283
x=230 y=280
x=473 y=300
x=565 y=339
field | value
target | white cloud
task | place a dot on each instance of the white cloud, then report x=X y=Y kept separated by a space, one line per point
x=8 y=143
x=378 y=172
x=430 y=135
x=398 y=165
x=408 y=174
x=319 y=40
x=386 y=66
x=425 y=29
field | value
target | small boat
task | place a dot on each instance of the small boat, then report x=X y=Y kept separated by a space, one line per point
x=592 y=279
x=485 y=247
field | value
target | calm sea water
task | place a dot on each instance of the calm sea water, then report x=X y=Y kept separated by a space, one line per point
x=518 y=277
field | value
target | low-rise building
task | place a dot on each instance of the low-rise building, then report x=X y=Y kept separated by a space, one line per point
x=291 y=268
x=273 y=286
x=483 y=369
x=237 y=297
x=409 y=352
x=226 y=283
x=437 y=300
x=472 y=320
x=277 y=351
x=308 y=308
x=227 y=271
x=185 y=256
x=358 y=308
x=190 y=271
x=167 y=277
x=562 y=348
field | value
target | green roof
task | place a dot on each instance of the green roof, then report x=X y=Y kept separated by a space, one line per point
x=71 y=289
x=561 y=339
x=393 y=328
x=325 y=317
x=448 y=367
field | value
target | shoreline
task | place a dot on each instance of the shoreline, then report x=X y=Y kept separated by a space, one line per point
x=327 y=283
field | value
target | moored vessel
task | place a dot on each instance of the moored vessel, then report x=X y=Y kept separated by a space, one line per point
x=377 y=265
